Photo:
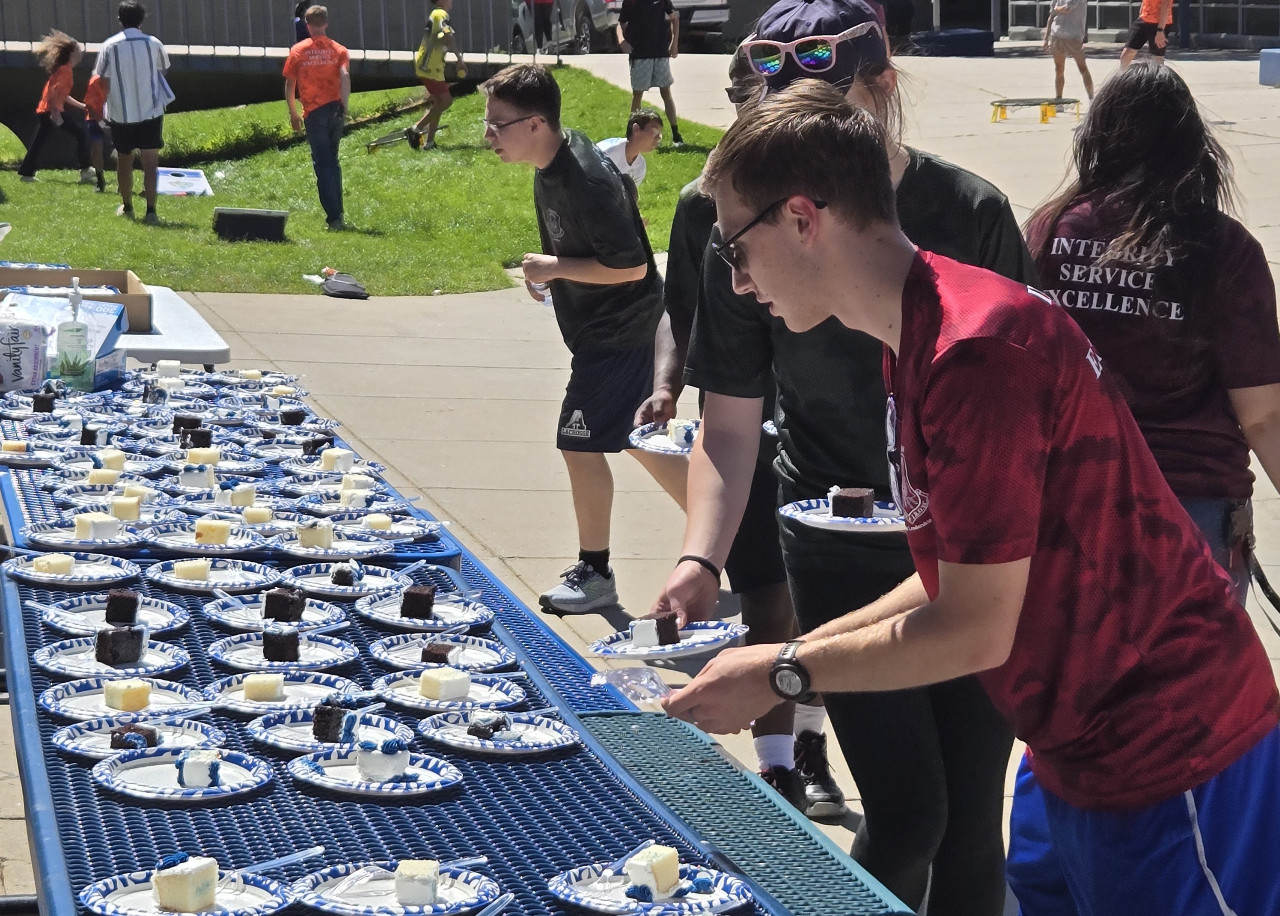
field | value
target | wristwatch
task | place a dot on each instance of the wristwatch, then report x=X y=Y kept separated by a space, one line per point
x=788 y=677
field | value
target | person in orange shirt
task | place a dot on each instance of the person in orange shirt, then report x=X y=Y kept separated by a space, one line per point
x=58 y=53
x=95 y=112
x=1151 y=29
x=317 y=72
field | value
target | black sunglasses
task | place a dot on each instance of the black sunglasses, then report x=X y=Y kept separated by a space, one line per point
x=729 y=251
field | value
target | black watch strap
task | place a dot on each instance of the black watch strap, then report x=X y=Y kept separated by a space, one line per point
x=788 y=677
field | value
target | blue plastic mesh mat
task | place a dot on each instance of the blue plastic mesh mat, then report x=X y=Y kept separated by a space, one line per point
x=786 y=855
x=533 y=817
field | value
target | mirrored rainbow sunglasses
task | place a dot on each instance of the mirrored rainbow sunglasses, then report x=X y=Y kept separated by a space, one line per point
x=815 y=54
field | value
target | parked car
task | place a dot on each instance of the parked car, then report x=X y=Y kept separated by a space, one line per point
x=577 y=26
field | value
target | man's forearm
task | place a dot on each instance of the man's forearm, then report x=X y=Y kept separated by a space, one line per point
x=668 y=359
x=589 y=270
x=907 y=596
x=290 y=97
x=721 y=466
x=346 y=89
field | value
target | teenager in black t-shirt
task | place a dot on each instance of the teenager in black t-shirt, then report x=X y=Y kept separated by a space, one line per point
x=649 y=32
x=607 y=295
x=929 y=763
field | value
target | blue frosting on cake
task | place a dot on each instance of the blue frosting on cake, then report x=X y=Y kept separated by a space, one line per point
x=134 y=741
x=703 y=883
x=347 y=731
x=367 y=746
x=394 y=746
x=639 y=892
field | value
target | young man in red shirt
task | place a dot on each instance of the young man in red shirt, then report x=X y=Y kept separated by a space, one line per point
x=317 y=72
x=1151 y=28
x=1053 y=560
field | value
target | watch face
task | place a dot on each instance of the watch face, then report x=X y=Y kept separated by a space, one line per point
x=788 y=682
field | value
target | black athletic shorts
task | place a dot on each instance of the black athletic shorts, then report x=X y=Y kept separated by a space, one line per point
x=140 y=135
x=1144 y=33
x=755 y=559
x=601 y=399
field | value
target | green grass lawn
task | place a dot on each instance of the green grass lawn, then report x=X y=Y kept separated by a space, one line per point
x=449 y=219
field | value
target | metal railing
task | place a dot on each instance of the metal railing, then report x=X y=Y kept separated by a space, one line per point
x=366 y=25
x=1225 y=17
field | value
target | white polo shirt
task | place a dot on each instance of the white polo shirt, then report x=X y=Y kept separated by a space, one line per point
x=134 y=63
x=616 y=149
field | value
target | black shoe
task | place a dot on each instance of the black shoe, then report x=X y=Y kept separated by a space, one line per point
x=823 y=797
x=414 y=138
x=788 y=784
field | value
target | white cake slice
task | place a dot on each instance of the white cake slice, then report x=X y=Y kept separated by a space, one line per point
x=15 y=446
x=168 y=368
x=256 y=515
x=382 y=762
x=112 y=458
x=196 y=570
x=197 y=476
x=445 y=684
x=316 y=534
x=357 y=482
x=213 y=530
x=204 y=455
x=128 y=695
x=103 y=476
x=198 y=768
x=188 y=886
x=417 y=881
x=252 y=375
x=657 y=868
x=644 y=633
x=143 y=493
x=377 y=521
x=264 y=688
x=126 y=508
x=337 y=459
x=353 y=499
x=243 y=495
x=54 y=564
x=96 y=526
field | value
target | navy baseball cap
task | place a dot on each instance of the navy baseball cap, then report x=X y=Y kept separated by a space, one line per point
x=791 y=20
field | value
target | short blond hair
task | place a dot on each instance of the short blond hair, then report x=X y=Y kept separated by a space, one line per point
x=316 y=15
x=810 y=141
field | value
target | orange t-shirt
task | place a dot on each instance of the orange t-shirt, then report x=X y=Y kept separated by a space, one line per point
x=1151 y=12
x=95 y=98
x=316 y=65
x=56 y=91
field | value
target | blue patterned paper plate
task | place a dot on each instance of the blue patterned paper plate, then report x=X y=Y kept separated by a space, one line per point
x=173 y=484
x=336 y=770
x=488 y=691
x=473 y=653
x=230 y=464
x=302 y=690
x=135 y=465
x=368 y=889
x=153 y=774
x=585 y=887
x=206 y=501
x=84 y=700
x=84 y=495
x=316 y=579
x=180 y=537
x=529 y=734
x=652 y=437
x=450 y=610
x=161 y=509
x=42 y=455
x=311 y=464
x=291 y=731
x=696 y=638
x=85 y=615
x=89 y=569
x=328 y=503
x=816 y=513
x=191 y=389
x=315 y=653
x=246 y=613
x=75 y=658
x=347 y=544
x=282 y=447
x=323 y=483
x=92 y=739
x=62 y=536
x=403 y=527
x=132 y=895
x=224 y=573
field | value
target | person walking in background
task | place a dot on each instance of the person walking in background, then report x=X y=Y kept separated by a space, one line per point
x=1064 y=35
x=58 y=53
x=644 y=135
x=437 y=38
x=542 y=10
x=95 y=107
x=1175 y=294
x=132 y=65
x=1151 y=28
x=300 y=32
x=317 y=72
x=649 y=32
x=608 y=301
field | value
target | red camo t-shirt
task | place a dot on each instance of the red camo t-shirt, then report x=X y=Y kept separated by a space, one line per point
x=1146 y=323
x=1134 y=675
x=316 y=65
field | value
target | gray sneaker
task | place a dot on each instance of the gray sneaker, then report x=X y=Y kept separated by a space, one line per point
x=582 y=590
x=87 y=176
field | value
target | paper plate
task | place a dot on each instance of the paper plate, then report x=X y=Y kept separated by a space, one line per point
x=816 y=513
x=336 y=770
x=347 y=544
x=450 y=610
x=161 y=509
x=315 y=579
x=280 y=448
x=84 y=495
x=92 y=739
x=135 y=465
x=180 y=537
x=315 y=653
x=191 y=388
x=132 y=895
x=173 y=484
x=205 y=502
x=75 y=658
x=89 y=569
x=302 y=690
x=584 y=887
x=344 y=890
x=84 y=700
x=60 y=536
x=42 y=455
x=226 y=574
x=475 y=654
x=487 y=692
x=652 y=437
x=323 y=483
x=696 y=638
x=529 y=734
x=327 y=504
x=153 y=774
x=243 y=467
x=311 y=464
x=246 y=613
x=403 y=527
x=85 y=615
x=291 y=731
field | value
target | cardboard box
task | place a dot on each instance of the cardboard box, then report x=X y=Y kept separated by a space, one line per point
x=105 y=321
x=134 y=295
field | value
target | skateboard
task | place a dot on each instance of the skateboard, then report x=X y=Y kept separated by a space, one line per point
x=394 y=137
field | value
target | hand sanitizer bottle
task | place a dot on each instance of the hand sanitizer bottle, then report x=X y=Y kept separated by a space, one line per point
x=74 y=366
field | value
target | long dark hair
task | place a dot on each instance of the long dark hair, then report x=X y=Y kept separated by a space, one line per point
x=55 y=49
x=1144 y=146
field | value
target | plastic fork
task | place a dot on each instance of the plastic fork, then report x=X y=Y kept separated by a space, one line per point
x=280 y=861
x=498 y=905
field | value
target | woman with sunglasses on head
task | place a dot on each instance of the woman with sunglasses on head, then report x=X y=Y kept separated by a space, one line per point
x=929 y=762
x=1175 y=294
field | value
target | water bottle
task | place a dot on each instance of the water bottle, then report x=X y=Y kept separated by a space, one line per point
x=544 y=290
